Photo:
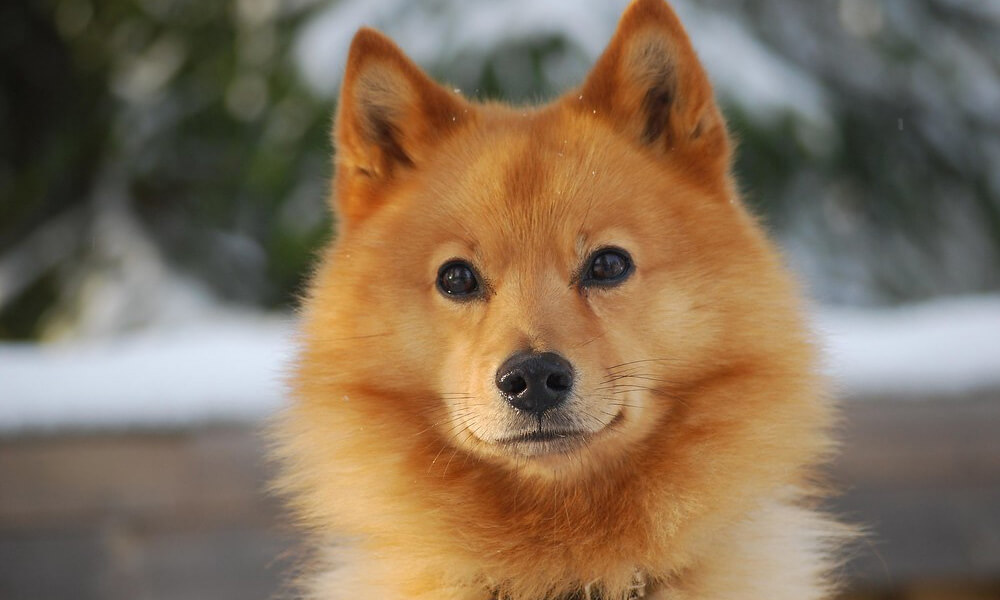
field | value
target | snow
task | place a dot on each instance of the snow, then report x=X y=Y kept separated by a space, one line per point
x=206 y=373
x=765 y=83
x=231 y=371
x=428 y=31
x=947 y=347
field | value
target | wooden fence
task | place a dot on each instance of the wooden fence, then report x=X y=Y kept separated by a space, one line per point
x=182 y=515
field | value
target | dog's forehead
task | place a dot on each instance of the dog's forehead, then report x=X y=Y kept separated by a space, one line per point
x=539 y=185
x=533 y=170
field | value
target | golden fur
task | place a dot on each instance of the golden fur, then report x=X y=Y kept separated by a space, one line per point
x=696 y=379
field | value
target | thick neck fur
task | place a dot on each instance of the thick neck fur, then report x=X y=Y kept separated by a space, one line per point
x=503 y=529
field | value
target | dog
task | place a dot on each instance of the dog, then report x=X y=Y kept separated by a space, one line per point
x=550 y=354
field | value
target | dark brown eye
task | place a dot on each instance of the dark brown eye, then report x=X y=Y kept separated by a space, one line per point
x=457 y=279
x=608 y=266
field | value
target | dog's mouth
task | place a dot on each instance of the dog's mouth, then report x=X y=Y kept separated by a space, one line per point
x=544 y=436
x=542 y=441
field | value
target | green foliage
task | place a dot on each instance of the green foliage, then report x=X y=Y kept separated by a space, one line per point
x=192 y=108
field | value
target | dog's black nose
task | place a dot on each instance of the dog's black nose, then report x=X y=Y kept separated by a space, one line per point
x=535 y=382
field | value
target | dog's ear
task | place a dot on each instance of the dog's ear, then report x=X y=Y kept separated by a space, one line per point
x=390 y=115
x=650 y=84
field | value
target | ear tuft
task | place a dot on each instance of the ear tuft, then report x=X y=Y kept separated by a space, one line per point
x=650 y=84
x=390 y=112
x=390 y=117
x=649 y=60
x=380 y=99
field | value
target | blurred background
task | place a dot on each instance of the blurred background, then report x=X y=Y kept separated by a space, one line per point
x=164 y=166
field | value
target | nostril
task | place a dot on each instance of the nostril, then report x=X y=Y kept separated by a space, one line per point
x=559 y=382
x=515 y=384
x=511 y=381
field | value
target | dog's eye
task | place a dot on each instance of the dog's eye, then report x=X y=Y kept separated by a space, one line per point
x=608 y=266
x=457 y=279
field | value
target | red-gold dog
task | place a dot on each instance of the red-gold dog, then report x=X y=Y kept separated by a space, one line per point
x=550 y=354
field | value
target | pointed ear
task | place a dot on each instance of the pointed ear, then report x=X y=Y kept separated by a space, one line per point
x=650 y=84
x=390 y=115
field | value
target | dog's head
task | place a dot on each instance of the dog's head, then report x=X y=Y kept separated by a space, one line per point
x=531 y=285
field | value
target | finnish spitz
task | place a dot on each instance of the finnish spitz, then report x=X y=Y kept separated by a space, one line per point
x=550 y=354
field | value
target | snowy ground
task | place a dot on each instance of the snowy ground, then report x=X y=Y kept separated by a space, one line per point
x=945 y=348
x=204 y=373
x=231 y=371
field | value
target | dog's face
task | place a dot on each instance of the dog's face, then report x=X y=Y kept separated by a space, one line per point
x=534 y=286
x=553 y=281
x=542 y=267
